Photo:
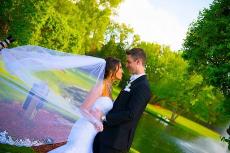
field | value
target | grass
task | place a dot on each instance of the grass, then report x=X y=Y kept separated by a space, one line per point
x=156 y=110
x=4 y=148
x=68 y=78
x=73 y=79
x=13 y=149
x=133 y=151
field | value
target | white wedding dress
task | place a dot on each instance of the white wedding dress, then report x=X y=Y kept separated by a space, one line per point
x=83 y=132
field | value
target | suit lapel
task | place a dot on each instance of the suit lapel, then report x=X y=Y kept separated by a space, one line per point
x=141 y=78
x=122 y=98
x=123 y=92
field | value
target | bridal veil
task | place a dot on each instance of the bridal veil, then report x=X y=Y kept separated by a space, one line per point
x=41 y=91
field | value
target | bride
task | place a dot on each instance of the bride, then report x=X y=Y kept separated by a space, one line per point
x=83 y=132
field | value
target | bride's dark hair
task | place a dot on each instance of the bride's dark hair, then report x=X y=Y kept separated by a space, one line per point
x=111 y=66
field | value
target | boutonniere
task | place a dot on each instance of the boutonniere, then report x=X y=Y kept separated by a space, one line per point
x=127 y=87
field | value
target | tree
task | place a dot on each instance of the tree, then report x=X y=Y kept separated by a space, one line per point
x=15 y=17
x=118 y=38
x=207 y=47
x=75 y=27
x=178 y=90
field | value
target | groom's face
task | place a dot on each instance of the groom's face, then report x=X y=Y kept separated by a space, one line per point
x=131 y=64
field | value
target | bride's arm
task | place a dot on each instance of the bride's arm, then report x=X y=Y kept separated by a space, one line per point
x=85 y=108
x=97 y=123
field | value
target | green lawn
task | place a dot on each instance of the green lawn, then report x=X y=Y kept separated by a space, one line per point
x=13 y=149
x=156 y=110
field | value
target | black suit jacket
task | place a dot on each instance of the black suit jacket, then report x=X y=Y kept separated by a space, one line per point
x=122 y=120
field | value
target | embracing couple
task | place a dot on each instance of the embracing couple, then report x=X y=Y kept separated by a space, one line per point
x=107 y=126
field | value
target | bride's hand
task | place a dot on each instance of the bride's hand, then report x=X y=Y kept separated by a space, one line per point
x=98 y=126
x=96 y=113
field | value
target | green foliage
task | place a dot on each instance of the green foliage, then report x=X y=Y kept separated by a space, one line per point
x=118 y=38
x=74 y=27
x=177 y=89
x=207 y=47
x=15 y=17
x=207 y=105
x=153 y=53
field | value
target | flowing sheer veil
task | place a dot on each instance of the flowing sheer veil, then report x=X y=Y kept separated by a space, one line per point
x=41 y=91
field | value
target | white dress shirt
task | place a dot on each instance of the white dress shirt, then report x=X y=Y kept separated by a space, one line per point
x=135 y=76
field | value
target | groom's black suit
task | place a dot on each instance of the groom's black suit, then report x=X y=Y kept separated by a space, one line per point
x=121 y=121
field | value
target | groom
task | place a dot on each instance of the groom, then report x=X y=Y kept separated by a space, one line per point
x=121 y=122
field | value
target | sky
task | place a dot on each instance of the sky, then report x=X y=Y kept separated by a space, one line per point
x=161 y=21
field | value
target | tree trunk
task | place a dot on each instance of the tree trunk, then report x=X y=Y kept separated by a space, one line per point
x=173 y=117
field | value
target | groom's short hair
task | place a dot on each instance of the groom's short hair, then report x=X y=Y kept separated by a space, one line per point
x=137 y=53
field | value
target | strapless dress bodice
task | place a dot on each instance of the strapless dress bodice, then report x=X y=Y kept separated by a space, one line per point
x=104 y=104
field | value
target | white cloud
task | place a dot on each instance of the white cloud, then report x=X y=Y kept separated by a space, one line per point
x=151 y=23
